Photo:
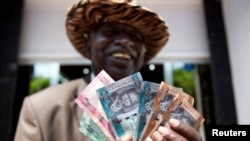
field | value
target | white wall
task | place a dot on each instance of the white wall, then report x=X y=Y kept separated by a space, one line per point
x=237 y=22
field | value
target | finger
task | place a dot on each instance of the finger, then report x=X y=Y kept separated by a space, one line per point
x=157 y=137
x=126 y=137
x=149 y=139
x=170 y=135
x=185 y=130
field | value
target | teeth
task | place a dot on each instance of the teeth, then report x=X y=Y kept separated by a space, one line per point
x=122 y=55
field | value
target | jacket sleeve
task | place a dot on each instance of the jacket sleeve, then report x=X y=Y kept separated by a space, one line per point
x=28 y=128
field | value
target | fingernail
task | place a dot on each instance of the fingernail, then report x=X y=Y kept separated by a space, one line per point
x=174 y=122
x=148 y=139
x=164 y=130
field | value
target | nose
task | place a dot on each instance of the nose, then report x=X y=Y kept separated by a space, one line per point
x=124 y=41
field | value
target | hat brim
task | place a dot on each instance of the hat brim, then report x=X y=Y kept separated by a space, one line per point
x=82 y=17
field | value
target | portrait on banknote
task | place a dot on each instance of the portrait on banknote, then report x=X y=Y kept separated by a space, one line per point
x=165 y=101
x=182 y=115
x=88 y=105
x=125 y=102
x=185 y=112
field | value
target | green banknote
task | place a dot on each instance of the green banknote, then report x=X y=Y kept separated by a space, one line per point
x=89 y=128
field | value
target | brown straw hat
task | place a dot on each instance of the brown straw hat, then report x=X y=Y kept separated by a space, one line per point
x=83 y=16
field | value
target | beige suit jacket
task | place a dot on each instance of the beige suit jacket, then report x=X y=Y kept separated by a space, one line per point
x=52 y=114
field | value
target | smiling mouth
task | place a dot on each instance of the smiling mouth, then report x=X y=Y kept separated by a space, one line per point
x=122 y=55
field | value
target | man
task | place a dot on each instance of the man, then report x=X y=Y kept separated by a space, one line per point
x=117 y=36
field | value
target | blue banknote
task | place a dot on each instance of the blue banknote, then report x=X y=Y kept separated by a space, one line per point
x=120 y=101
x=161 y=103
x=147 y=97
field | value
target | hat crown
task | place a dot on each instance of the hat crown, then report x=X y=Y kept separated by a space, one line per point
x=131 y=2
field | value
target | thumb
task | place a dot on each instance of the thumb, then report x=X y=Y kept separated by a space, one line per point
x=126 y=137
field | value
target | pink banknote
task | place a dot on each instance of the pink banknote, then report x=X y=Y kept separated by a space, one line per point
x=89 y=102
x=101 y=80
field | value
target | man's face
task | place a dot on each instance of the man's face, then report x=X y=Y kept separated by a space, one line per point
x=129 y=98
x=118 y=49
x=125 y=99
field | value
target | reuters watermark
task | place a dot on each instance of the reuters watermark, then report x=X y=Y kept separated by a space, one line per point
x=231 y=132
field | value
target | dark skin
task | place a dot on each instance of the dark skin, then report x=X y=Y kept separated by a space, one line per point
x=120 y=49
x=117 y=49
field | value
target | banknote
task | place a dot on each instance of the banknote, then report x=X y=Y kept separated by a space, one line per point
x=102 y=79
x=97 y=118
x=127 y=125
x=166 y=94
x=163 y=99
x=147 y=97
x=172 y=89
x=183 y=111
x=120 y=100
x=91 y=130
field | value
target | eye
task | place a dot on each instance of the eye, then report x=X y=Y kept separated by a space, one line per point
x=136 y=37
x=110 y=32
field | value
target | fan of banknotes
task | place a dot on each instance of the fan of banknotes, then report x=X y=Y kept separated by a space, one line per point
x=132 y=106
